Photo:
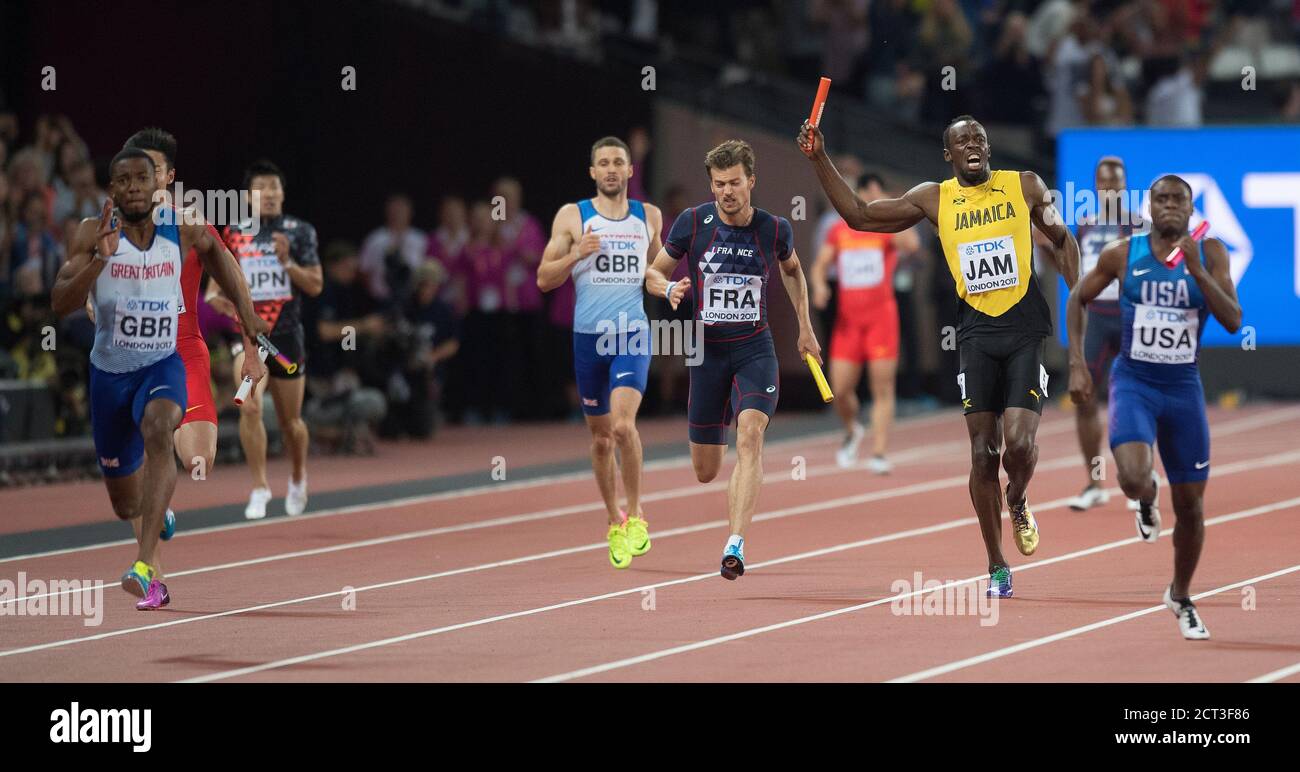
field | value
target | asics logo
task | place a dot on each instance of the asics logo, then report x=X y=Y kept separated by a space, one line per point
x=771 y=389
x=708 y=219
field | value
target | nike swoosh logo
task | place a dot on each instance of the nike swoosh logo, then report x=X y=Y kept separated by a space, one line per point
x=622 y=375
x=190 y=409
x=1202 y=464
x=156 y=388
x=1139 y=273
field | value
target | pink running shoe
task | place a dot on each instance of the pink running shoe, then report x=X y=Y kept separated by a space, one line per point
x=156 y=598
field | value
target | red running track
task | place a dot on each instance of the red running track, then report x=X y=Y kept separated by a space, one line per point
x=514 y=584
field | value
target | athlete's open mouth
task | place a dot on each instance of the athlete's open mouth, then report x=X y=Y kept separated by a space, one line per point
x=974 y=160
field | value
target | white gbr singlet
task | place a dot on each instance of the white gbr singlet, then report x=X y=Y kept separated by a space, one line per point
x=137 y=297
x=610 y=282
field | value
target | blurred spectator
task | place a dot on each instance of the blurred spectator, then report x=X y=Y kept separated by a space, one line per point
x=446 y=245
x=1105 y=101
x=1175 y=97
x=80 y=197
x=66 y=157
x=843 y=24
x=944 y=40
x=1067 y=74
x=1049 y=23
x=393 y=251
x=52 y=133
x=35 y=251
x=492 y=362
x=1012 y=70
x=429 y=335
x=521 y=240
x=27 y=176
x=893 y=32
x=348 y=334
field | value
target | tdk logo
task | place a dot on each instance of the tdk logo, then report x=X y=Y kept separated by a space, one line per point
x=144 y=304
x=985 y=246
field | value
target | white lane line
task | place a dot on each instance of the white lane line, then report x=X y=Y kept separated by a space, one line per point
x=1061 y=463
x=580 y=601
x=1276 y=675
x=675 y=462
x=699 y=577
x=654 y=655
x=926 y=453
x=1055 y=427
x=1053 y=638
x=920 y=453
x=773 y=515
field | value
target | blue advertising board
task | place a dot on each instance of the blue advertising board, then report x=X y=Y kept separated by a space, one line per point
x=1246 y=182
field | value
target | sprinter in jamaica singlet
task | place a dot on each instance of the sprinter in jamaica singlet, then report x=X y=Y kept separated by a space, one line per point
x=983 y=218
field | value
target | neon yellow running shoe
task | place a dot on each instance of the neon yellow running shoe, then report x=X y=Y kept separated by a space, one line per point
x=638 y=535
x=619 y=555
x=137 y=578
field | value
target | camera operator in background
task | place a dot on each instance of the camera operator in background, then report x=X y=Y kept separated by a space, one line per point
x=426 y=334
x=349 y=335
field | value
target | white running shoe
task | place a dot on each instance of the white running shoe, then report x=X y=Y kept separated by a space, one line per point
x=847 y=455
x=1189 y=620
x=1148 y=518
x=295 y=501
x=257 y=501
x=1133 y=504
x=1092 y=496
x=879 y=465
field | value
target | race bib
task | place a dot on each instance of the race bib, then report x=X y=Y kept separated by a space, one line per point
x=267 y=279
x=861 y=268
x=145 y=324
x=989 y=265
x=619 y=270
x=1165 y=336
x=731 y=297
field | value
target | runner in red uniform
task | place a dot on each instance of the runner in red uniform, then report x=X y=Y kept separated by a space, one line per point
x=866 y=324
x=196 y=437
